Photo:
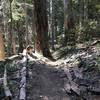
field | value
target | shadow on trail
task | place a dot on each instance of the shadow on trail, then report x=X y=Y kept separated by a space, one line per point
x=45 y=84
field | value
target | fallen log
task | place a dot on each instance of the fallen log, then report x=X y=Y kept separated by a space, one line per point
x=22 y=94
x=15 y=57
x=23 y=84
x=10 y=59
x=95 y=42
x=92 y=44
x=6 y=88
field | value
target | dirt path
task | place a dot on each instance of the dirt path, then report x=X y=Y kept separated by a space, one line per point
x=46 y=84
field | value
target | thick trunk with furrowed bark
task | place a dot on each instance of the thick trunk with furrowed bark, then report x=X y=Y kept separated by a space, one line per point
x=41 y=22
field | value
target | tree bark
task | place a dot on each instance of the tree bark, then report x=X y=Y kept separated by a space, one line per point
x=20 y=36
x=26 y=24
x=2 y=52
x=68 y=22
x=52 y=26
x=11 y=42
x=41 y=22
x=2 y=17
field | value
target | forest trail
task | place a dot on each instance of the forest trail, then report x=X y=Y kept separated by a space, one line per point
x=46 y=84
x=74 y=77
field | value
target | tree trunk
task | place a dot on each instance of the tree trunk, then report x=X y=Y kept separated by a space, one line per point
x=81 y=19
x=20 y=37
x=2 y=29
x=66 y=2
x=33 y=27
x=26 y=24
x=68 y=22
x=11 y=42
x=41 y=22
x=85 y=10
x=2 y=52
x=52 y=25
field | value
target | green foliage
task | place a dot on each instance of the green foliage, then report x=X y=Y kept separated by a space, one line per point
x=98 y=6
x=85 y=30
x=60 y=39
x=17 y=11
x=92 y=24
x=98 y=10
x=75 y=1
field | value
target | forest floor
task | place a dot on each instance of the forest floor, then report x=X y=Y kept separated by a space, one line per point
x=74 y=76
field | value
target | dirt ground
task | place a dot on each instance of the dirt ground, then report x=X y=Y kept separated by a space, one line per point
x=46 y=84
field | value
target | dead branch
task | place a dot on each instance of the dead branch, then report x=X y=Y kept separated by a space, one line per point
x=23 y=84
x=22 y=95
x=92 y=44
x=6 y=88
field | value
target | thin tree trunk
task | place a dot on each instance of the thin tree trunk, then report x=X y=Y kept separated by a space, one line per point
x=68 y=22
x=81 y=19
x=52 y=26
x=26 y=24
x=85 y=9
x=49 y=20
x=66 y=3
x=11 y=43
x=20 y=37
x=33 y=27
